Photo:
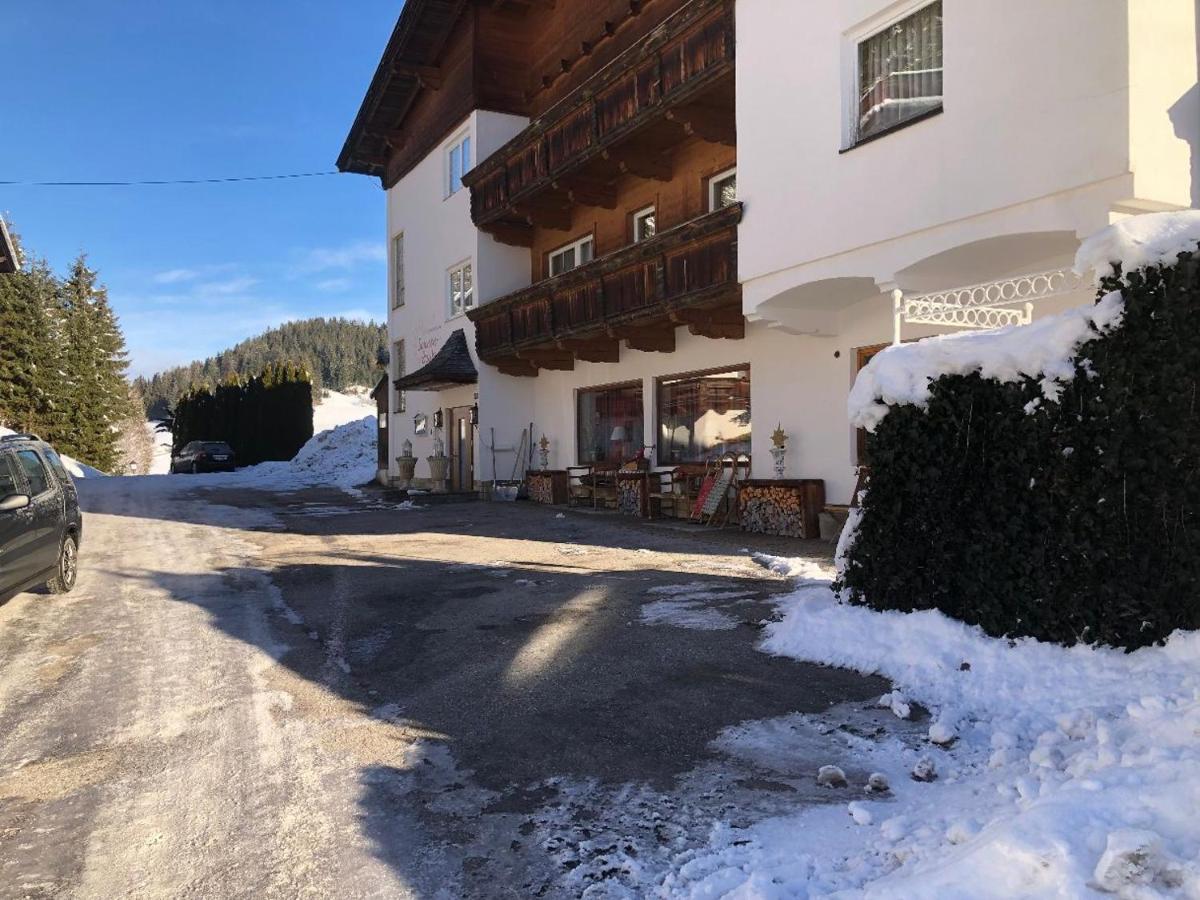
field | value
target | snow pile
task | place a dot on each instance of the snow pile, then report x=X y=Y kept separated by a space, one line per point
x=343 y=457
x=1044 y=350
x=336 y=408
x=1060 y=772
x=1139 y=241
x=76 y=468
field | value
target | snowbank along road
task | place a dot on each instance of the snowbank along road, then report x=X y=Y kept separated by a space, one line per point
x=257 y=694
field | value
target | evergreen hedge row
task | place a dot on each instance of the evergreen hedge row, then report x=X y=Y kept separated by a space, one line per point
x=1077 y=522
x=264 y=417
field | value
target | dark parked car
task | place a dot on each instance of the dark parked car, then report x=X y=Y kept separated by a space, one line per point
x=204 y=456
x=40 y=522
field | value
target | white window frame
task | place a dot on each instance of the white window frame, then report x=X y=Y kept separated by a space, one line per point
x=851 y=38
x=451 y=312
x=640 y=215
x=398 y=270
x=575 y=245
x=459 y=142
x=712 y=186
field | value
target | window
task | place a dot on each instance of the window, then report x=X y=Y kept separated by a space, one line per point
x=899 y=73
x=458 y=163
x=722 y=190
x=564 y=259
x=609 y=423
x=399 y=370
x=702 y=415
x=398 y=271
x=461 y=289
x=644 y=226
x=56 y=464
x=35 y=472
x=8 y=478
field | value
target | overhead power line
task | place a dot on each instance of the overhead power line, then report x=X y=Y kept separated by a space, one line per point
x=169 y=180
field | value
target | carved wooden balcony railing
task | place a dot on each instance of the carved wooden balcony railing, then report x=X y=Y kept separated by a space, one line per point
x=686 y=275
x=677 y=81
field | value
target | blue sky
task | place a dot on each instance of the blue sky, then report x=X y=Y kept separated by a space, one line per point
x=161 y=89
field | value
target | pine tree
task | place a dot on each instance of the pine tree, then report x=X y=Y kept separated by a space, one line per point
x=25 y=347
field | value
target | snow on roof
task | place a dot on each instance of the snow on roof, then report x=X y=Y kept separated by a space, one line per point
x=1139 y=241
x=1044 y=350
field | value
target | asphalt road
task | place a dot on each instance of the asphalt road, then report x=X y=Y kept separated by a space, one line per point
x=285 y=695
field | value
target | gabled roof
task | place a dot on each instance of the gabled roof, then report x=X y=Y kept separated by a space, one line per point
x=450 y=367
x=378 y=386
x=8 y=252
x=417 y=40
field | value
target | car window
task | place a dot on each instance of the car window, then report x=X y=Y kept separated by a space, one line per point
x=8 y=478
x=35 y=472
x=56 y=464
x=216 y=447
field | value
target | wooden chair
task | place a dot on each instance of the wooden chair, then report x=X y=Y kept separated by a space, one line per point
x=666 y=495
x=580 y=487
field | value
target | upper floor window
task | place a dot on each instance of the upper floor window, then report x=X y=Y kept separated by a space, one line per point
x=564 y=259
x=899 y=73
x=722 y=190
x=644 y=224
x=398 y=271
x=461 y=289
x=458 y=163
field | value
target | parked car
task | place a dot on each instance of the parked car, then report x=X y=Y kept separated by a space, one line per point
x=204 y=456
x=40 y=523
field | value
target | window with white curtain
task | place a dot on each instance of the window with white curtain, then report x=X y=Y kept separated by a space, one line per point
x=900 y=73
x=460 y=289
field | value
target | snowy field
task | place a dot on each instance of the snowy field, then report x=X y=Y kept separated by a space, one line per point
x=1055 y=772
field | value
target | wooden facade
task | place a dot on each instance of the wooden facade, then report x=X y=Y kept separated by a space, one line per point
x=628 y=119
x=686 y=275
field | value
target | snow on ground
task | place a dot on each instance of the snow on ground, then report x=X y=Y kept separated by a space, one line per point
x=336 y=408
x=1059 y=772
x=686 y=606
x=160 y=462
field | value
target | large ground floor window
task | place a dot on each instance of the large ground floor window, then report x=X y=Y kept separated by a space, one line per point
x=609 y=423
x=703 y=415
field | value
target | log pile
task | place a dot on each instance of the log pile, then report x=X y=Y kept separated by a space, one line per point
x=547 y=487
x=789 y=508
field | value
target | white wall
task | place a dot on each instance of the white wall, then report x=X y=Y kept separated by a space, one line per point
x=439 y=234
x=1040 y=98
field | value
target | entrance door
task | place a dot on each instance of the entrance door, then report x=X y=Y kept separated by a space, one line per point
x=462 y=449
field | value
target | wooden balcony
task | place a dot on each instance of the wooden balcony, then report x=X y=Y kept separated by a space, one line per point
x=675 y=83
x=684 y=276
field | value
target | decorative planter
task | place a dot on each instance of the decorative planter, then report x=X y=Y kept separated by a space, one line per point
x=439 y=469
x=406 y=467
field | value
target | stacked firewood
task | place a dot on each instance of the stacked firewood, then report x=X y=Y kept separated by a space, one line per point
x=773 y=509
x=541 y=488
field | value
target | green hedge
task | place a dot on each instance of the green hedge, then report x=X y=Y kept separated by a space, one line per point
x=1075 y=523
x=266 y=417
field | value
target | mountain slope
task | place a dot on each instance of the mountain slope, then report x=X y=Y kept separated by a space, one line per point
x=337 y=352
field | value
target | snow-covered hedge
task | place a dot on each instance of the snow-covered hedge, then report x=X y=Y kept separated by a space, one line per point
x=1046 y=481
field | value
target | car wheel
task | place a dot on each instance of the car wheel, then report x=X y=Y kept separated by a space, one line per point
x=68 y=567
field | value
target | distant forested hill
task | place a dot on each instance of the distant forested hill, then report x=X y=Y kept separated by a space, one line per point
x=337 y=352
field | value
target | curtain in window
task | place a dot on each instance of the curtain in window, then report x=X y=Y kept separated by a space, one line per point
x=703 y=416
x=900 y=72
x=609 y=424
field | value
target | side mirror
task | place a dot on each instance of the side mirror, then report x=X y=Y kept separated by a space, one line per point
x=13 y=502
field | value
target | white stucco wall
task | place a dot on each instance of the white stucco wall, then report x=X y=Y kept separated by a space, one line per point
x=1042 y=101
x=439 y=234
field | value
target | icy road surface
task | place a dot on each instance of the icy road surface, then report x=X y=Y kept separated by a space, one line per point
x=256 y=694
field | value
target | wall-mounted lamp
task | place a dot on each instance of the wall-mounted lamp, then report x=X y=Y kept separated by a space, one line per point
x=437 y=418
x=475 y=414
